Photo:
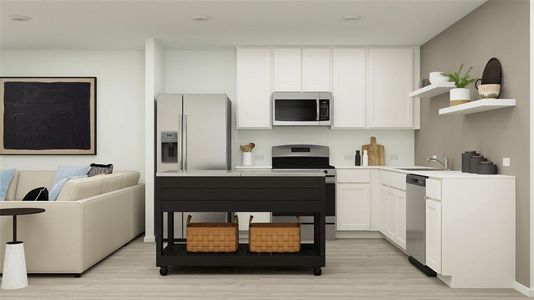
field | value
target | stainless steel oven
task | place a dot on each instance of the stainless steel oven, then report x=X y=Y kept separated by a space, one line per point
x=308 y=158
x=302 y=109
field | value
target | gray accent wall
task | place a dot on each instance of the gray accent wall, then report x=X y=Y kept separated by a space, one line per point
x=496 y=29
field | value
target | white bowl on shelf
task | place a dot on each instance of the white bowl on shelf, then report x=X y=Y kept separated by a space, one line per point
x=438 y=77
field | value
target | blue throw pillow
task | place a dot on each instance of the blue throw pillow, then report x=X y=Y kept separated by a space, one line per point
x=56 y=189
x=5 y=179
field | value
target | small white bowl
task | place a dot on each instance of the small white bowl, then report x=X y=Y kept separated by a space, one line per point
x=437 y=77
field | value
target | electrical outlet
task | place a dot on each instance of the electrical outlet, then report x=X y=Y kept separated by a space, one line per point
x=506 y=162
x=349 y=157
x=259 y=157
x=393 y=157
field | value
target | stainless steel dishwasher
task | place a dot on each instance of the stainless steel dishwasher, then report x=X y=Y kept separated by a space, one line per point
x=415 y=222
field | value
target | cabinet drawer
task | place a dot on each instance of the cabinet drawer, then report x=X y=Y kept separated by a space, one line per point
x=393 y=179
x=354 y=176
x=433 y=189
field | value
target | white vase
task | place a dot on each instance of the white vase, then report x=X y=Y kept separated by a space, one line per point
x=247 y=159
x=14 y=272
x=460 y=96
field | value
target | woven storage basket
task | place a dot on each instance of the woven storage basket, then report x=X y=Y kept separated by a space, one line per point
x=212 y=237
x=274 y=237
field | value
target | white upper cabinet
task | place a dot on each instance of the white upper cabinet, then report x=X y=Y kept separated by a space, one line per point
x=349 y=87
x=316 y=69
x=287 y=69
x=254 y=88
x=389 y=81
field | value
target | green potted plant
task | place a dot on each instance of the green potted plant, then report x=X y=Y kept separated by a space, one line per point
x=460 y=94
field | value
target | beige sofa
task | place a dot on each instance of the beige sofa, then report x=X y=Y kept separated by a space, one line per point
x=91 y=218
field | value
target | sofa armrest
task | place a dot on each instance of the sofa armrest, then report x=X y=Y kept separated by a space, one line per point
x=53 y=238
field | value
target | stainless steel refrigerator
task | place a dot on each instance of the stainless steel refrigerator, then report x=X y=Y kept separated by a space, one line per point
x=193 y=133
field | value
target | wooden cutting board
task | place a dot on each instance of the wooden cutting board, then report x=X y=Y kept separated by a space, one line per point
x=375 y=153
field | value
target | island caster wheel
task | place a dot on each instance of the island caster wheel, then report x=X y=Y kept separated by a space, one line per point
x=317 y=271
x=163 y=271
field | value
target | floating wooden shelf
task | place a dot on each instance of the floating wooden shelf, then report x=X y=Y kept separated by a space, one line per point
x=432 y=90
x=477 y=106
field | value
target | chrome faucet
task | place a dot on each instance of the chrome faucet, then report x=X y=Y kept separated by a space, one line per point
x=444 y=162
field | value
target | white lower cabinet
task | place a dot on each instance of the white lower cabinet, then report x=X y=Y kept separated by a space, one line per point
x=392 y=214
x=382 y=206
x=353 y=206
x=400 y=235
x=433 y=234
x=391 y=208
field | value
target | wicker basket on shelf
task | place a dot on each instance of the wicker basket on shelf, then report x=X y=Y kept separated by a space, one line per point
x=274 y=237
x=212 y=237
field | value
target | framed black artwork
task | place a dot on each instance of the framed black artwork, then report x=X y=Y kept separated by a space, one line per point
x=48 y=115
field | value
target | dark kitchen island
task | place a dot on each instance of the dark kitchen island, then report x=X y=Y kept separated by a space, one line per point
x=239 y=191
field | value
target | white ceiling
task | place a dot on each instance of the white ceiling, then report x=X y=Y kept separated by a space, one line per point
x=81 y=24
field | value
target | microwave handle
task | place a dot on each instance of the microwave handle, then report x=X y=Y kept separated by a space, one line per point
x=317 y=113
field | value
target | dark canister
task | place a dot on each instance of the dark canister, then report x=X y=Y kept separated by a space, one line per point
x=357 y=158
x=487 y=167
x=466 y=156
x=474 y=161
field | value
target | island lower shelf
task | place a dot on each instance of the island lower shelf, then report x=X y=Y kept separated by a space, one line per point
x=176 y=255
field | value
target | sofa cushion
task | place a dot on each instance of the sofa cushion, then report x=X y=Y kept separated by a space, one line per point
x=76 y=189
x=5 y=180
x=28 y=180
x=56 y=189
x=129 y=178
x=69 y=171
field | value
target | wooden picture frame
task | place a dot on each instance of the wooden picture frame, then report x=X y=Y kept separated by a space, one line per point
x=48 y=115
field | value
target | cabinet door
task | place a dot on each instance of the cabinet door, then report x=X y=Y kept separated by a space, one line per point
x=316 y=69
x=349 y=87
x=400 y=237
x=353 y=206
x=383 y=218
x=287 y=69
x=254 y=88
x=389 y=80
x=433 y=235
x=391 y=206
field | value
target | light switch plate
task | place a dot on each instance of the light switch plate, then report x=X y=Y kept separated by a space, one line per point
x=393 y=157
x=506 y=162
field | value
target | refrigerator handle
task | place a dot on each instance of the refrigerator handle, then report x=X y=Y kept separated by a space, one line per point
x=180 y=158
x=185 y=142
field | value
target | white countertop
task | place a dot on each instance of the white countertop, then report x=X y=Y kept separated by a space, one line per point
x=239 y=173
x=438 y=174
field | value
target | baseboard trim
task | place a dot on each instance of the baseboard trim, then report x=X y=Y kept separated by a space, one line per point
x=149 y=239
x=523 y=289
x=359 y=235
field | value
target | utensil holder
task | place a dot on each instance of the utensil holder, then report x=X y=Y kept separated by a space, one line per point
x=247 y=159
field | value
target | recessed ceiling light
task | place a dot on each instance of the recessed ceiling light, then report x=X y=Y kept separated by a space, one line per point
x=200 y=18
x=19 y=18
x=352 y=18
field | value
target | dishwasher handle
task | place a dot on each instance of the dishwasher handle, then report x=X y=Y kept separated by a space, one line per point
x=416 y=179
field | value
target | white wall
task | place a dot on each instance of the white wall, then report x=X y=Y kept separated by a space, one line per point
x=205 y=71
x=154 y=84
x=120 y=106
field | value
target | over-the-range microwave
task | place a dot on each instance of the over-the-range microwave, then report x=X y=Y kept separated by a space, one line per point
x=302 y=108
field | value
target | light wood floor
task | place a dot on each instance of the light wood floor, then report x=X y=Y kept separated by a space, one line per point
x=356 y=269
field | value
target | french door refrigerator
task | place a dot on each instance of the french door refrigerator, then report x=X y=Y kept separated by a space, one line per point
x=193 y=133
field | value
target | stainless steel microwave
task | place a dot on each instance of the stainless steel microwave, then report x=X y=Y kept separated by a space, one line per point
x=302 y=108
